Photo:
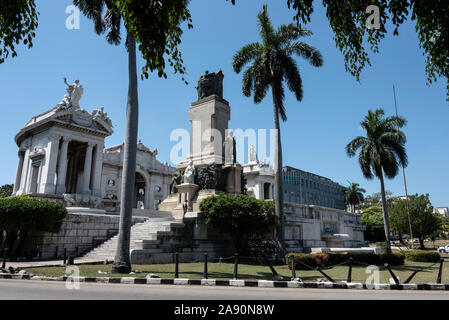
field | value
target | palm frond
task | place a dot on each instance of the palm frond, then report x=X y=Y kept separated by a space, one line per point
x=266 y=29
x=93 y=9
x=278 y=97
x=292 y=76
x=113 y=21
x=365 y=161
x=261 y=79
x=245 y=55
x=308 y=52
x=248 y=81
x=291 y=32
x=354 y=145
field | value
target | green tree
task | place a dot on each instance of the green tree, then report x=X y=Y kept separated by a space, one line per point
x=372 y=218
x=272 y=64
x=6 y=190
x=424 y=222
x=381 y=152
x=157 y=40
x=18 y=23
x=354 y=195
x=351 y=35
x=239 y=216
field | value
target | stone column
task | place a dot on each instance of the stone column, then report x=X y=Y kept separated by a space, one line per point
x=62 y=169
x=19 y=171
x=87 y=168
x=49 y=167
x=97 y=170
x=26 y=163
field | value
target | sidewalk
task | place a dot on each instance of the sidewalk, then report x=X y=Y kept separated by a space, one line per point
x=49 y=263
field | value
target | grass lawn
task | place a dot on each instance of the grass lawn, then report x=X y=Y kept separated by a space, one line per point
x=252 y=272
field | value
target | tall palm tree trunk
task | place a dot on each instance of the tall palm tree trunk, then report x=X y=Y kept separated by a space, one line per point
x=122 y=262
x=278 y=194
x=385 y=213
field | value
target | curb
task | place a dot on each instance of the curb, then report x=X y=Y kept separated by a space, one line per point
x=235 y=283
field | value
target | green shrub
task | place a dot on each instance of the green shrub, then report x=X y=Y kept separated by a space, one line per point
x=31 y=215
x=422 y=256
x=241 y=217
x=321 y=260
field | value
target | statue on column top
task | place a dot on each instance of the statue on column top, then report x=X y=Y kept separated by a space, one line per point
x=230 y=149
x=189 y=174
x=72 y=97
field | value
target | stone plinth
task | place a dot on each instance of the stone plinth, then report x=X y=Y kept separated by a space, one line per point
x=186 y=192
x=233 y=178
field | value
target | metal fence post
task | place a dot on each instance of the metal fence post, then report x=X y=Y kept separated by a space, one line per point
x=65 y=256
x=205 y=266
x=236 y=264
x=5 y=251
x=396 y=280
x=56 y=252
x=411 y=276
x=273 y=271
x=349 y=271
x=440 y=272
x=293 y=267
x=176 y=265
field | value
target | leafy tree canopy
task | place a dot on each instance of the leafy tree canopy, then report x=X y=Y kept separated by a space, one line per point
x=6 y=190
x=424 y=222
x=241 y=217
x=372 y=218
x=348 y=21
x=156 y=41
x=18 y=23
x=162 y=36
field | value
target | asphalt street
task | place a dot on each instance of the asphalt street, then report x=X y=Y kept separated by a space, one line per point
x=42 y=290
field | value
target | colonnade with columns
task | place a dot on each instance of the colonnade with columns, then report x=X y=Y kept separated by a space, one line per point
x=45 y=168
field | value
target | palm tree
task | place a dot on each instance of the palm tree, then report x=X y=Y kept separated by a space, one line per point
x=382 y=151
x=354 y=195
x=272 y=64
x=111 y=22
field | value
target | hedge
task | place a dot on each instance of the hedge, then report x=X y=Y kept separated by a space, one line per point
x=422 y=256
x=321 y=260
x=29 y=214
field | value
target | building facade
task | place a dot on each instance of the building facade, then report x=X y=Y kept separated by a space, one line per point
x=303 y=187
x=315 y=215
x=62 y=157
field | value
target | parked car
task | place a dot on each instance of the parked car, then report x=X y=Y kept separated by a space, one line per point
x=444 y=249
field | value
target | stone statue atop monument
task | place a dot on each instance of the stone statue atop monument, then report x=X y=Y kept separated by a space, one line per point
x=210 y=84
x=189 y=173
x=230 y=149
x=252 y=155
x=73 y=95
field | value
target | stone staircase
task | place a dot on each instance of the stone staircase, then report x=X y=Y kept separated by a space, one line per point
x=151 y=231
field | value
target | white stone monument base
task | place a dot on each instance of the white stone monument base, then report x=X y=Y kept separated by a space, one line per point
x=81 y=210
x=186 y=192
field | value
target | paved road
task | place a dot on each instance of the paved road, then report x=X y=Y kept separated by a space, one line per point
x=37 y=290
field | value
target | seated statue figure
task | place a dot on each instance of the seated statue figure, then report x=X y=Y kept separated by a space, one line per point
x=189 y=174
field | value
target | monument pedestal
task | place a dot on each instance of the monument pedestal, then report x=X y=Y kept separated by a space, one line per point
x=186 y=192
x=233 y=178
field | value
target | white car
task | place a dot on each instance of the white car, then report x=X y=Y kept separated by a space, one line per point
x=444 y=249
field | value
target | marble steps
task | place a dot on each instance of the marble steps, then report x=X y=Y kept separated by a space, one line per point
x=154 y=230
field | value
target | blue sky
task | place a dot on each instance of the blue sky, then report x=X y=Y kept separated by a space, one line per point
x=317 y=129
